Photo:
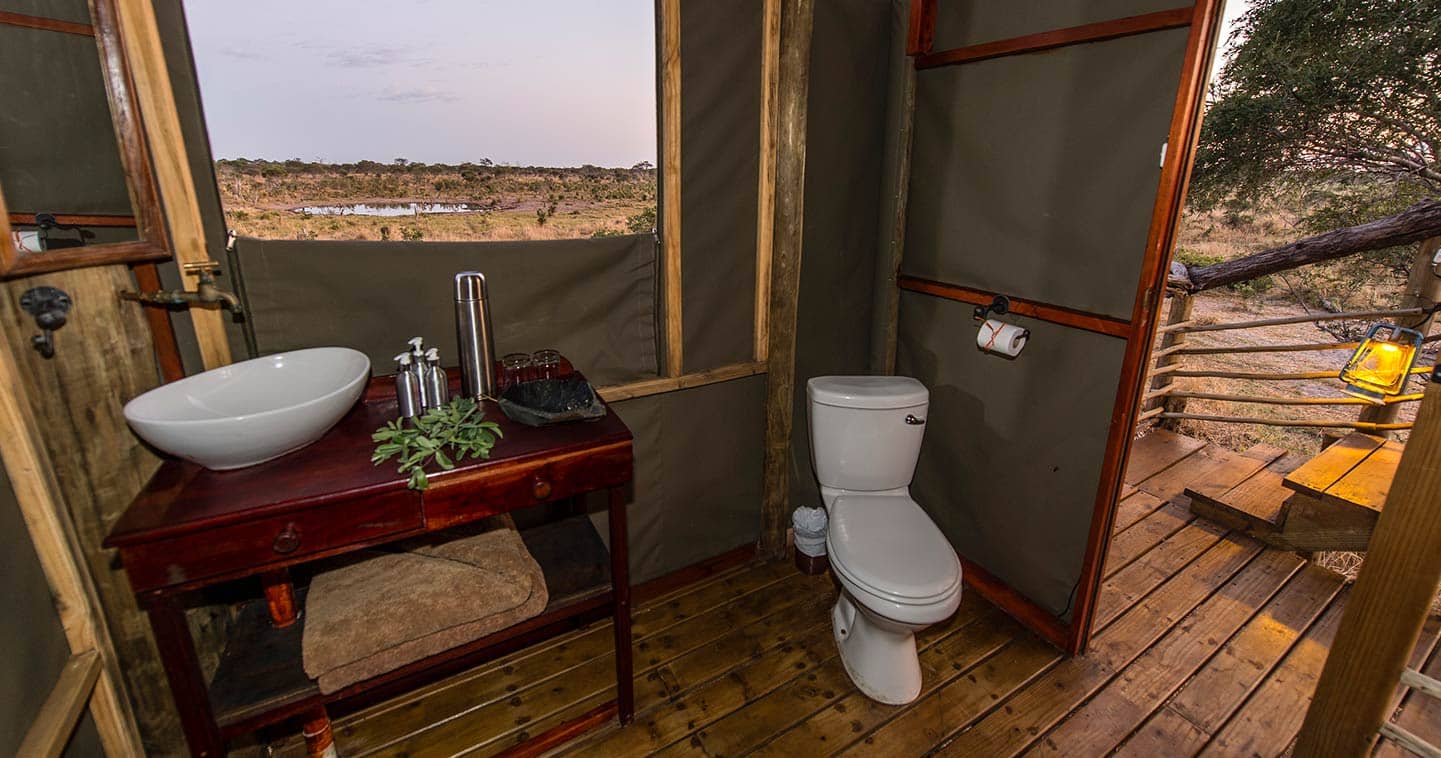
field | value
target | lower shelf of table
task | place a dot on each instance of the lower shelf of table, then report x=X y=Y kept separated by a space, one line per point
x=260 y=679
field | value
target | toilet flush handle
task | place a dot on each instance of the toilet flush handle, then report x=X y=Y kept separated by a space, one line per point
x=913 y=421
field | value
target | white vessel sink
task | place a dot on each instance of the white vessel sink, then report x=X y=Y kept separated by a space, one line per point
x=250 y=412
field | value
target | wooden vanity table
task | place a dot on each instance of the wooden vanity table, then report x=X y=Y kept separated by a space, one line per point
x=191 y=528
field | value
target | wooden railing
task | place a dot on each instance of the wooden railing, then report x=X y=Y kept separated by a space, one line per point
x=1165 y=402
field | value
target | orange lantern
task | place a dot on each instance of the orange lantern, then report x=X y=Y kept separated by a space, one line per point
x=1382 y=363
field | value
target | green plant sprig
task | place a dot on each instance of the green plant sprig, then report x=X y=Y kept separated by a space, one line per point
x=447 y=434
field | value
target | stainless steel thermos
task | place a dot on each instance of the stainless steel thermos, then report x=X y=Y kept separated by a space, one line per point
x=472 y=331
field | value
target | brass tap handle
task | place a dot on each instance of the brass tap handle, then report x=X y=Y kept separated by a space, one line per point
x=201 y=267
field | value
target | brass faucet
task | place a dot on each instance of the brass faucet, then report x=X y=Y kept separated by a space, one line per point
x=205 y=292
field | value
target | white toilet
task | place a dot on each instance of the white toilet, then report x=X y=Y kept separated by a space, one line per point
x=898 y=573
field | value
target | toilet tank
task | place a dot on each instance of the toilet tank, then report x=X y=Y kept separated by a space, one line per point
x=860 y=439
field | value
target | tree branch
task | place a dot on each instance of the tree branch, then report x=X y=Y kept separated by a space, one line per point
x=1420 y=221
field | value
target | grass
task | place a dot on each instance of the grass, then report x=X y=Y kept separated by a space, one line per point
x=261 y=199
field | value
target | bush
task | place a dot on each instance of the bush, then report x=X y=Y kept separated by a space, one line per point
x=1193 y=258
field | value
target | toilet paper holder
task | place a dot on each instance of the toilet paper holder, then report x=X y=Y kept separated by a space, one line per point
x=1000 y=305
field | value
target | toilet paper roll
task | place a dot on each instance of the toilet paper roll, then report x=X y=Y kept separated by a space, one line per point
x=1000 y=337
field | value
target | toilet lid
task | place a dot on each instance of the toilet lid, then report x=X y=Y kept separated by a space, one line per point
x=889 y=544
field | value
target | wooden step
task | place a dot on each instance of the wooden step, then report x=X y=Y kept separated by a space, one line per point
x=1259 y=503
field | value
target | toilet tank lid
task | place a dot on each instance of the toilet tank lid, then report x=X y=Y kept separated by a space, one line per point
x=867 y=391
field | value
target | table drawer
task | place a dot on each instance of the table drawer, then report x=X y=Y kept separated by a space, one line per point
x=246 y=546
x=456 y=500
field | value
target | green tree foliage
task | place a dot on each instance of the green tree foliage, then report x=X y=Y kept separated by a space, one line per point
x=1327 y=93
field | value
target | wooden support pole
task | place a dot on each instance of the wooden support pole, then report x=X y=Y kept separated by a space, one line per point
x=1389 y=603
x=1180 y=311
x=796 y=20
x=140 y=37
x=766 y=197
x=673 y=362
x=1423 y=290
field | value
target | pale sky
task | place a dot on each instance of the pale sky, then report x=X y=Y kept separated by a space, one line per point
x=559 y=83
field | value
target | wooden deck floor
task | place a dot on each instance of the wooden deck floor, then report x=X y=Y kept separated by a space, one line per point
x=1206 y=642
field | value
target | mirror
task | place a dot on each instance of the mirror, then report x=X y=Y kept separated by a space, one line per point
x=75 y=179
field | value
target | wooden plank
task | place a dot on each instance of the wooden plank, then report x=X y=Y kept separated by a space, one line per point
x=921 y=30
x=1055 y=314
x=1312 y=525
x=1132 y=509
x=1316 y=475
x=797 y=18
x=1259 y=502
x=1156 y=451
x=1166 y=733
x=46 y=24
x=523 y=692
x=1218 y=689
x=562 y=734
x=1046 y=701
x=836 y=726
x=1100 y=31
x=1368 y=482
x=140 y=37
x=1145 y=535
x=1272 y=716
x=766 y=195
x=1107 y=718
x=647 y=387
x=928 y=721
x=52 y=728
x=670 y=204
x=1212 y=469
x=1393 y=592
x=1127 y=586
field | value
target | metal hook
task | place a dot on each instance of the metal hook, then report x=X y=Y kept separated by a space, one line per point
x=49 y=306
x=1000 y=305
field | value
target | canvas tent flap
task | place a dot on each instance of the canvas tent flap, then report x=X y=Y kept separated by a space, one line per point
x=1035 y=175
x=720 y=153
x=1013 y=448
x=593 y=300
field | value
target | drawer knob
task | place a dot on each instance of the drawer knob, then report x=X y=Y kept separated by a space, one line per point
x=541 y=489
x=288 y=540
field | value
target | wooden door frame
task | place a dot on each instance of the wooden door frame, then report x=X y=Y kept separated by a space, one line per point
x=1203 y=21
x=50 y=529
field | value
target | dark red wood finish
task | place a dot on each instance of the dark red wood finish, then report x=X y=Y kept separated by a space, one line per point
x=191 y=528
x=1174 y=18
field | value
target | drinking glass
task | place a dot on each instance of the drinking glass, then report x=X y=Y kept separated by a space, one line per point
x=548 y=364
x=514 y=369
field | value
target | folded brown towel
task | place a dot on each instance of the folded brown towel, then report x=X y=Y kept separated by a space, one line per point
x=389 y=609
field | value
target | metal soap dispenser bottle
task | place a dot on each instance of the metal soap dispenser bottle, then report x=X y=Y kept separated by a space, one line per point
x=417 y=370
x=437 y=384
x=407 y=392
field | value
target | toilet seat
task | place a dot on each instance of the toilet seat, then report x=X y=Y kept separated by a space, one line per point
x=887 y=546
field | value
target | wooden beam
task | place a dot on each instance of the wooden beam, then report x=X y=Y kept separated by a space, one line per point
x=886 y=335
x=1100 y=31
x=1054 y=314
x=766 y=198
x=797 y=17
x=46 y=24
x=140 y=38
x=1389 y=603
x=646 y=387
x=670 y=227
x=1150 y=287
x=46 y=519
x=117 y=220
x=921 y=32
x=52 y=729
